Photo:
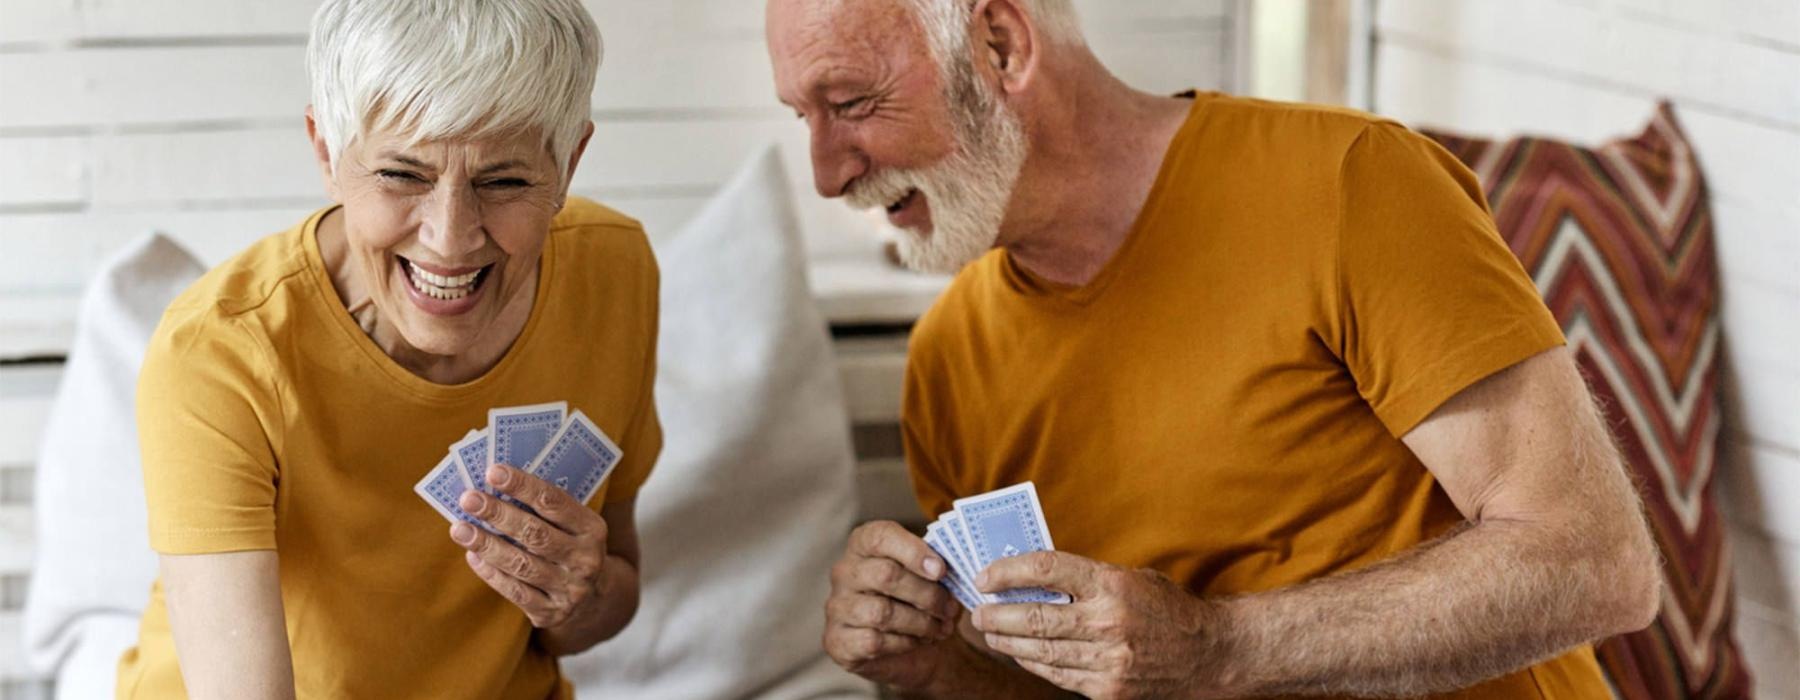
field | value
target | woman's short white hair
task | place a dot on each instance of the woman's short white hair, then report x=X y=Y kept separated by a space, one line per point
x=947 y=23
x=438 y=69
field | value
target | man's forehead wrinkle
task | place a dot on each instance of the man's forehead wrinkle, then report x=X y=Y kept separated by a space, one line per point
x=868 y=45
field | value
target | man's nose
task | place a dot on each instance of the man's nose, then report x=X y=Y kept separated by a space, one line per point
x=836 y=162
x=451 y=225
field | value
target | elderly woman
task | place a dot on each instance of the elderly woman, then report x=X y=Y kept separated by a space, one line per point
x=292 y=397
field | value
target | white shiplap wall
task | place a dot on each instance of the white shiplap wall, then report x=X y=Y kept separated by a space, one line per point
x=1590 y=70
x=119 y=117
x=123 y=116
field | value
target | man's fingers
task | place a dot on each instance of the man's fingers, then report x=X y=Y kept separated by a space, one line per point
x=534 y=533
x=1082 y=682
x=887 y=577
x=1034 y=620
x=887 y=539
x=551 y=503
x=852 y=645
x=1061 y=653
x=885 y=614
x=1057 y=571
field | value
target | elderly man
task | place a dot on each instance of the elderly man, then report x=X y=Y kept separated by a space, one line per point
x=1297 y=417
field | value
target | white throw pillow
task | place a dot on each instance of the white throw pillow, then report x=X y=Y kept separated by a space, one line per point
x=754 y=495
x=94 y=566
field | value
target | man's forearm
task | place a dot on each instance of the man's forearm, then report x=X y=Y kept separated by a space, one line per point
x=617 y=605
x=1481 y=602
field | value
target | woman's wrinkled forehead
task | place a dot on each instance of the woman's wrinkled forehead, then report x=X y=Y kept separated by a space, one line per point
x=516 y=149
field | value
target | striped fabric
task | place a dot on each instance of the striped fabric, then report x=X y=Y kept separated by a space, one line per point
x=1619 y=240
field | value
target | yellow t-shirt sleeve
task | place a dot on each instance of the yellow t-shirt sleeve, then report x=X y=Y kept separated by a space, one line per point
x=206 y=410
x=643 y=439
x=1431 y=300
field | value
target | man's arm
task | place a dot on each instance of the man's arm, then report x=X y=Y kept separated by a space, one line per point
x=230 y=632
x=1556 y=553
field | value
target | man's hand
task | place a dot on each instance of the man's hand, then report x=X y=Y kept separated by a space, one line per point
x=1127 y=634
x=887 y=619
x=557 y=573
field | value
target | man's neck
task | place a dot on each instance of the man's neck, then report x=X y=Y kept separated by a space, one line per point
x=1089 y=175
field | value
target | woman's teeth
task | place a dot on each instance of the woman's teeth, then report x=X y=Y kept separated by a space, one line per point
x=441 y=287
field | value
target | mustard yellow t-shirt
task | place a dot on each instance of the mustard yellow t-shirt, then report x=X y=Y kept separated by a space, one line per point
x=1224 y=402
x=268 y=420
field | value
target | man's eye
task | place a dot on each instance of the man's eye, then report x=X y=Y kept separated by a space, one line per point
x=508 y=183
x=849 y=105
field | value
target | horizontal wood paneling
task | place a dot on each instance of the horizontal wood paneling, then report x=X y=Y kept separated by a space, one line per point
x=44 y=172
x=1592 y=42
x=99 y=144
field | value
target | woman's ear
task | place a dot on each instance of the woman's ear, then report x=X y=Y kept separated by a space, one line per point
x=575 y=158
x=322 y=155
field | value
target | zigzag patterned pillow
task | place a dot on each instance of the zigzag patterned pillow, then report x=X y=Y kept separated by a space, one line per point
x=1619 y=241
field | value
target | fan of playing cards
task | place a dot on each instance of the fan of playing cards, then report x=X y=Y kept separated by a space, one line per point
x=544 y=440
x=986 y=528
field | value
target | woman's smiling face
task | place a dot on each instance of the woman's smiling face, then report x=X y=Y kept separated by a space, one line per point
x=442 y=236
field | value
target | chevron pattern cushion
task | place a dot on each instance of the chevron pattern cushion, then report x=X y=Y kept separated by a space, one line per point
x=1619 y=241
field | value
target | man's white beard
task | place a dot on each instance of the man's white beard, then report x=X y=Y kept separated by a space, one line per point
x=968 y=191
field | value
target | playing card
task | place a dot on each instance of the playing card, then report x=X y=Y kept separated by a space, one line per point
x=1007 y=523
x=579 y=458
x=471 y=454
x=443 y=487
x=957 y=541
x=517 y=434
x=953 y=579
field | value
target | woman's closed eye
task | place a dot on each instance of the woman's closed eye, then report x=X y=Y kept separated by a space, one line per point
x=506 y=183
x=399 y=176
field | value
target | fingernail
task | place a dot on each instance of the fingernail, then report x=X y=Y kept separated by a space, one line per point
x=981 y=581
x=933 y=567
x=498 y=476
x=462 y=533
x=470 y=501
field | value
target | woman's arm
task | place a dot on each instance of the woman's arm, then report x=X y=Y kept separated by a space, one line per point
x=230 y=631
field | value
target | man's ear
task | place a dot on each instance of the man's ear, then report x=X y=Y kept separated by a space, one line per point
x=575 y=158
x=322 y=154
x=1006 y=42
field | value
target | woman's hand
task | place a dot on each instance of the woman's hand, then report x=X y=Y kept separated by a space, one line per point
x=557 y=573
